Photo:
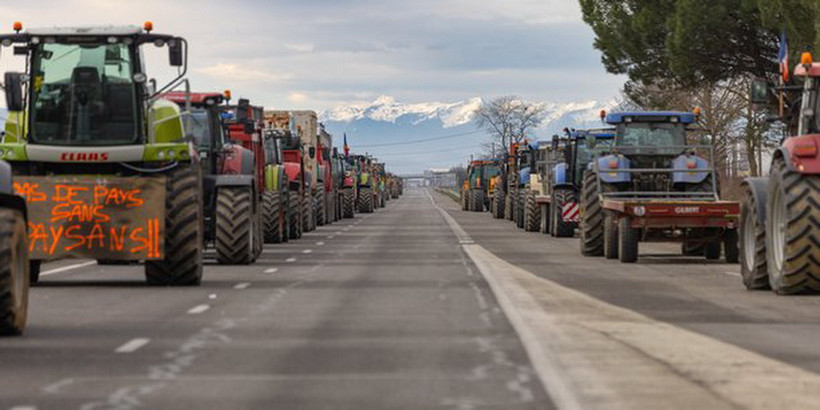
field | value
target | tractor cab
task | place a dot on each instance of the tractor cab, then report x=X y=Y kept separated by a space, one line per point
x=85 y=87
x=579 y=147
x=653 y=133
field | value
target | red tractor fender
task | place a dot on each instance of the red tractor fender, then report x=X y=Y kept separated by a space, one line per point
x=801 y=153
x=349 y=181
x=293 y=171
x=237 y=159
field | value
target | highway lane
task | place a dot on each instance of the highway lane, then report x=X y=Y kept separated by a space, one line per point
x=382 y=311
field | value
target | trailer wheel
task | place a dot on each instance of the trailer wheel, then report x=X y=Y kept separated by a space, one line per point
x=184 y=229
x=498 y=201
x=235 y=228
x=532 y=217
x=349 y=203
x=365 y=200
x=295 y=215
x=610 y=236
x=753 y=264
x=14 y=272
x=271 y=208
x=730 y=246
x=562 y=228
x=712 y=250
x=592 y=217
x=628 y=244
x=792 y=239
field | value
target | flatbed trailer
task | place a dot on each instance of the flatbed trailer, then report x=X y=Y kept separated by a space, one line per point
x=628 y=221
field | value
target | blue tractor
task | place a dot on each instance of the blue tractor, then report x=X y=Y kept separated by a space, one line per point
x=650 y=184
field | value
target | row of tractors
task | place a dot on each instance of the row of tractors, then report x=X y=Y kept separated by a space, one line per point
x=99 y=162
x=649 y=177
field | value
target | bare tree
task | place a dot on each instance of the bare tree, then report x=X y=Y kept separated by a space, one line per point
x=508 y=119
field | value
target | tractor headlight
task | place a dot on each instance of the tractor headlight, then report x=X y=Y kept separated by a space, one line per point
x=639 y=211
x=161 y=154
x=171 y=154
x=35 y=40
x=10 y=154
x=7 y=42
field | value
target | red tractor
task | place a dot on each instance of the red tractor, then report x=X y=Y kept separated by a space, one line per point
x=229 y=191
x=326 y=201
x=780 y=214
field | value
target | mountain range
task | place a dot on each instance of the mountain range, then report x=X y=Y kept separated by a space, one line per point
x=412 y=137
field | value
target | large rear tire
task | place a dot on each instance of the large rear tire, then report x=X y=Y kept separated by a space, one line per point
x=365 y=200
x=498 y=203
x=184 y=231
x=14 y=272
x=509 y=206
x=628 y=244
x=295 y=215
x=476 y=200
x=235 y=227
x=753 y=264
x=592 y=217
x=532 y=215
x=520 y=208
x=319 y=205
x=349 y=203
x=272 y=216
x=793 y=231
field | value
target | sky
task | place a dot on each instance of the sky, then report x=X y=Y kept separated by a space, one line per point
x=319 y=54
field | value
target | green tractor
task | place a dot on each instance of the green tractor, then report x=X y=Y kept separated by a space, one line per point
x=103 y=162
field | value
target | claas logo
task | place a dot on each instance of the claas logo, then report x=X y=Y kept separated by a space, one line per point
x=83 y=156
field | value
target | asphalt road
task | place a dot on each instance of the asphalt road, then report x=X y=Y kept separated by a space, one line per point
x=419 y=305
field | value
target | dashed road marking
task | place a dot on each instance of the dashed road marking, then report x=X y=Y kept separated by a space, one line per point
x=67 y=268
x=338 y=232
x=243 y=285
x=271 y=270
x=307 y=251
x=733 y=273
x=320 y=243
x=291 y=260
x=133 y=345
x=24 y=407
x=198 y=309
x=330 y=237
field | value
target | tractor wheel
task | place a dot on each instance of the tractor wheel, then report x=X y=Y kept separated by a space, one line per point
x=520 y=205
x=753 y=262
x=319 y=206
x=712 y=250
x=592 y=218
x=730 y=246
x=532 y=217
x=184 y=231
x=465 y=200
x=476 y=200
x=271 y=215
x=349 y=203
x=14 y=272
x=610 y=236
x=792 y=224
x=235 y=227
x=365 y=201
x=562 y=228
x=295 y=215
x=509 y=206
x=308 y=216
x=284 y=212
x=498 y=201
x=628 y=243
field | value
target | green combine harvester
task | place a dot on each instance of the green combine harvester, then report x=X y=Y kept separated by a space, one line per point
x=103 y=162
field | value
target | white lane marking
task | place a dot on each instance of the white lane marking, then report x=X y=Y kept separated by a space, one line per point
x=320 y=243
x=291 y=259
x=67 y=268
x=23 y=407
x=307 y=251
x=338 y=232
x=212 y=296
x=54 y=388
x=133 y=345
x=330 y=237
x=198 y=309
x=243 y=285
x=271 y=270
x=733 y=273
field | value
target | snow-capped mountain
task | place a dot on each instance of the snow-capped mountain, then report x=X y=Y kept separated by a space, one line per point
x=413 y=137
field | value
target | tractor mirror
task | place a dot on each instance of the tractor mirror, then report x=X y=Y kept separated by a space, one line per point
x=312 y=152
x=242 y=110
x=175 y=53
x=759 y=93
x=14 y=91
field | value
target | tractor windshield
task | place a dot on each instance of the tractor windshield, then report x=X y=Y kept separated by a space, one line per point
x=651 y=134
x=83 y=95
x=206 y=129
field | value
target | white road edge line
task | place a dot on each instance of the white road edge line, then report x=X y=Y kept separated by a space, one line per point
x=243 y=285
x=132 y=345
x=67 y=268
x=198 y=309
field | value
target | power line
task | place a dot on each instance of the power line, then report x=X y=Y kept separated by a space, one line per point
x=390 y=144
